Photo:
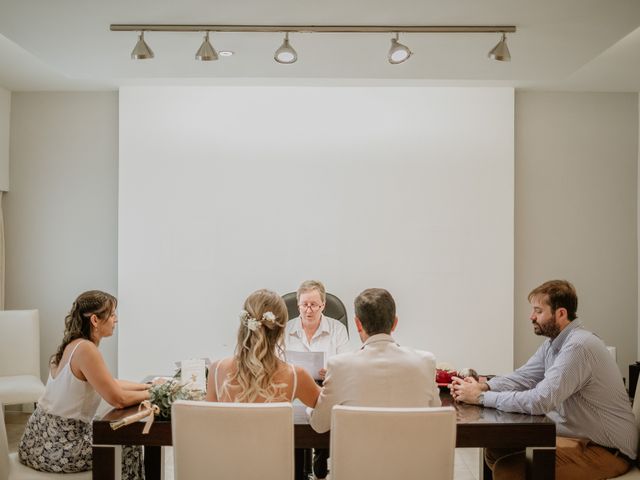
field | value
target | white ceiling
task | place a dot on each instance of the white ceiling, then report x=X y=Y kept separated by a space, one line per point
x=591 y=45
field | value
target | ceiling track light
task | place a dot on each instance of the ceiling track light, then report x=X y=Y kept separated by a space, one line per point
x=206 y=52
x=118 y=27
x=501 y=51
x=398 y=52
x=141 y=51
x=285 y=54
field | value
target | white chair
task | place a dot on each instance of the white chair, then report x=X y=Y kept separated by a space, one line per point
x=12 y=469
x=382 y=443
x=232 y=441
x=20 y=357
x=634 y=473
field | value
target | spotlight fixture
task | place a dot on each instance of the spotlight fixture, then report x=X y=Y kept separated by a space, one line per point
x=398 y=52
x=141 y=51
x=501 y=52
x=285 y=53
x=206 y=52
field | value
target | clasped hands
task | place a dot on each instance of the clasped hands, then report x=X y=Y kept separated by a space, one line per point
x=467 y=389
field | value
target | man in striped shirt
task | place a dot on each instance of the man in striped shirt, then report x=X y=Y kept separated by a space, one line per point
x=573 y=380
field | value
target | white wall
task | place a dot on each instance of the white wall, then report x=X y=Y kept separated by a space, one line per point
x=43 y=272
x=61 y=211
x=5 y=112
x=229 y=189
x=576 y=211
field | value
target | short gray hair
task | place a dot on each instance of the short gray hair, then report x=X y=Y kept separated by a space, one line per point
x=309 y=286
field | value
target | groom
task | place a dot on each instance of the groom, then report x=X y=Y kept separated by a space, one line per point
x=381 y=373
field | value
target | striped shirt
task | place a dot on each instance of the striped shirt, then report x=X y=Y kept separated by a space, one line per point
x=574 y=381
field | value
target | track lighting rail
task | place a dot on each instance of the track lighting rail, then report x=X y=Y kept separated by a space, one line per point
x=121 y=27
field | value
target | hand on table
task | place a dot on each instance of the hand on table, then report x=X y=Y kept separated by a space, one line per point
x=466 y=390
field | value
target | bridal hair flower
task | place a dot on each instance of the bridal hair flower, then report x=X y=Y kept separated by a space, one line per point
x=253 y=324
x=247 y=320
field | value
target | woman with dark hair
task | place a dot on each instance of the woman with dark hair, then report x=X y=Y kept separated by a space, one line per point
x=58 y=436
x=257 y=373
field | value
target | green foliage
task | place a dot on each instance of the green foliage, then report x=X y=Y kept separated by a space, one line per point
x=165 y=394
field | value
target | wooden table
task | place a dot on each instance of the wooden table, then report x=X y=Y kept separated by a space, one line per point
x=476 y=427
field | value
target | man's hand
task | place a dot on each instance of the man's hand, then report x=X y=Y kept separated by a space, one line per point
x=322 y=373
x=467 y=390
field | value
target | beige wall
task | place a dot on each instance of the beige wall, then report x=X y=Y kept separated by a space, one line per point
x=576 y=211
x=61 y=212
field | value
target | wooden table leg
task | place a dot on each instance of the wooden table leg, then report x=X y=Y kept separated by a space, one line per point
x=153 y=460
x=298 y=460
x=303 y=461
x=485 y=471
x=541 y=463
x=104 y=463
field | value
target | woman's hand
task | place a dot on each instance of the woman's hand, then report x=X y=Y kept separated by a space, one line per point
x=132 y=386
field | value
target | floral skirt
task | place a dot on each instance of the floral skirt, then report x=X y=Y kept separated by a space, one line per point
x=63 y=445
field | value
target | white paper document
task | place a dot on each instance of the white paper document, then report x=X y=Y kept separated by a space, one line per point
x=207 y=362
x=192 y=372
x=312 y=362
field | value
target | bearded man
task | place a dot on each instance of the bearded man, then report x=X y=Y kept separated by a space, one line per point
x=573 y=380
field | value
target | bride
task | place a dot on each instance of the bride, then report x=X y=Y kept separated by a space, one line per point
x=256 y=373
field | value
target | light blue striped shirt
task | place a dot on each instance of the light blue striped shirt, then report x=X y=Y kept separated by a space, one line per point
x=574 y=381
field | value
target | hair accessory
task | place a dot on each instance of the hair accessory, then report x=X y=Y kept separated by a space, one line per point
x=253 y=324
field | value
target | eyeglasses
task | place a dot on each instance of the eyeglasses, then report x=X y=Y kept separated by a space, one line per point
x=314 y=307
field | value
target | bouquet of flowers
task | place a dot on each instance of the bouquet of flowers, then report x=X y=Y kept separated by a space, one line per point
x=444 y=373
x=165 y=394
x=161 y=397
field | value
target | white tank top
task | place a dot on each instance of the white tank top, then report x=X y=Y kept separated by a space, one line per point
x=69 y=397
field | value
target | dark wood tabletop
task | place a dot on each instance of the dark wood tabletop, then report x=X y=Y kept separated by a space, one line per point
x=476 y=427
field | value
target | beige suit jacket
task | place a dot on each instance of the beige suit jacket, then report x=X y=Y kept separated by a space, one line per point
x=380 y=374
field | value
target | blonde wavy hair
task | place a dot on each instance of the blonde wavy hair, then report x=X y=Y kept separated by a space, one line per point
x=260 y=347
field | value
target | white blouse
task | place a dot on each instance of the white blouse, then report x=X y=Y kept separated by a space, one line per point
x=69 y=397
x=331 y=337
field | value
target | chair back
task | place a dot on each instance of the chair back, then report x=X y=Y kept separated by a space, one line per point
x=19 y=343
x=636 y=405
x=381 y=443
x=230 y=441
x=334 y=308
x=4 y=448
x=636 y=413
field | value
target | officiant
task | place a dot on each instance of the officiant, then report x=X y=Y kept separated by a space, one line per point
x=312 y=331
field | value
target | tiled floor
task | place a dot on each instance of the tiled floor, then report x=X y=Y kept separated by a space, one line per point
x=15 y=422
x=466 y=463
